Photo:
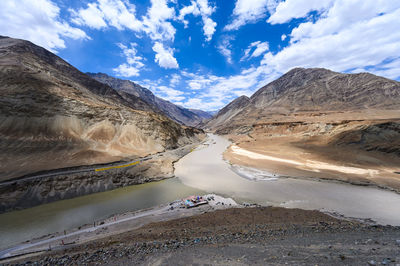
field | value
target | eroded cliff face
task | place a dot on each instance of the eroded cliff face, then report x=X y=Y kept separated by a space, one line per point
x=53 y=116
x=31 y=191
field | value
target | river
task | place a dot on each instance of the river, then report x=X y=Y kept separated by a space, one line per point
x=22 y=225
x=200 y=172
x=205 y=169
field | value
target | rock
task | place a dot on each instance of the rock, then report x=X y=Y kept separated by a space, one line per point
x=371 y=262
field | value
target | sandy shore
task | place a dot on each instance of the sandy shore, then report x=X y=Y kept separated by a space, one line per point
x=281 y=156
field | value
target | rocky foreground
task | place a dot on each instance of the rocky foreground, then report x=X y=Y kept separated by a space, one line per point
x=237 y=236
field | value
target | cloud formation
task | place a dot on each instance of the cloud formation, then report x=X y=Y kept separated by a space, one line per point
x=115 y=13
x=164 y=56
x=249 y=11
x=205 y=10
x=133 y=62
x=38 y=21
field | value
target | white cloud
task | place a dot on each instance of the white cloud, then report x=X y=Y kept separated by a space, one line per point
x=260 y=49
x=169 y=94
x=203 y=9
x=225 y=48
x=250 y=11
x=117 y=13
x=194 y=85
x=349 y=35
x=37 y=21
x=134 y=62
x=92 y=16
x=164 y=56
x=290 y=9
x=175 y=79
x=125 y=70
x=217 y=91
x=156 y=23
x=283 y=37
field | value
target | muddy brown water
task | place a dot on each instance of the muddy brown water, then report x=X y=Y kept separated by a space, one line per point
x=205 y=169
x=200 y=172
x=22 y=225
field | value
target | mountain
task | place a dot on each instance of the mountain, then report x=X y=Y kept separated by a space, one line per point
x=310 y=90
x=176 y=113
x=317 y=123
x=53 y=116
x=228 y=112
x=203 y=114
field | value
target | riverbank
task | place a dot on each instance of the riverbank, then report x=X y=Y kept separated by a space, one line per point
x=115 y=224
x=238 y=236
x=206 y=169
x=300 y=156
x=69 y=183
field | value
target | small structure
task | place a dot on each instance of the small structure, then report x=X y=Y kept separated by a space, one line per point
x=194 y=201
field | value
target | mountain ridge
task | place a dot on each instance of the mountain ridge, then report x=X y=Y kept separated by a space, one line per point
x=55 y=116
x=312 y=90
x=177 y=113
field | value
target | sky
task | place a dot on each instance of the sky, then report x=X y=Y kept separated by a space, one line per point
x=202 y=54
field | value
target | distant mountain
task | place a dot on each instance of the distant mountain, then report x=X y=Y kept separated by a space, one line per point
x=53 y=116
x=228 y=112
x=203 y=114
x=310 y=90
x=176 y=113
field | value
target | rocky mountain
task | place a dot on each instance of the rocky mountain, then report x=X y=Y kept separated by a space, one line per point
x=310 y=90
x=203 y=114
x=53 y=116
x=228 y=112
x=317 y=123
x=179 y=114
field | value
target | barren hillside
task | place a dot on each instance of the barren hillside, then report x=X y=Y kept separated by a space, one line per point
x=53 y=116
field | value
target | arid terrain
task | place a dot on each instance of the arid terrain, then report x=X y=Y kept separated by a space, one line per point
x=53 y=116
x=239 y=236
x=315 y=123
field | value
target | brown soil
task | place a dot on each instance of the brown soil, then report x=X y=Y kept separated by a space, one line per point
x=262 y=235
x=362 y=144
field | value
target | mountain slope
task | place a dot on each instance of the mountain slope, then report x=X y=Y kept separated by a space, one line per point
x=311 y=90
x=316 y=123
x=54 y=116
x=176 y=113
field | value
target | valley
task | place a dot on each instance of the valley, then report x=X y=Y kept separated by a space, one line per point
x=81 y=148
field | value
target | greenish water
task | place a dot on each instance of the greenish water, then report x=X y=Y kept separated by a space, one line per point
x=19 y=226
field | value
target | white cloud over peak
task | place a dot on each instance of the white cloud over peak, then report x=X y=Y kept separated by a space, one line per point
x=205 y=10
x=359 y=34
x=117 y=13
x=250 y=11
x=164 y=56
x=134 y=63
x=37 y=21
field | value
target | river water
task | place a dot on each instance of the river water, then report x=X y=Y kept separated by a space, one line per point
x=19 y=226
x=200 y=172
x=205 y=169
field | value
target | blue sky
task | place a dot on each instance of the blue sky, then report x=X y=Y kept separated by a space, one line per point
x=204 y=53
